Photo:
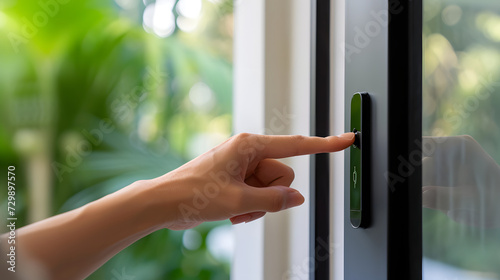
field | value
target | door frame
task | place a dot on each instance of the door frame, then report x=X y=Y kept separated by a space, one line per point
x=319 y=214
x=405 y=140
x=404 y=126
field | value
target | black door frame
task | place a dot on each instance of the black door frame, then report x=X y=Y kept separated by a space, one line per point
x=405 y=138
x=320 y=126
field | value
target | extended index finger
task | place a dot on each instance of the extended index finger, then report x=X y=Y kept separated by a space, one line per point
x=281 y=146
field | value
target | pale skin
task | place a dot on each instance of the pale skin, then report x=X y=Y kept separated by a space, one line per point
x=240 y=180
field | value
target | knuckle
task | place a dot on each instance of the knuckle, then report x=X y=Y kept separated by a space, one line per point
x=469 y=140
x=241 y=137
x=241 y=141
x=466 y=137
x=298 y=138
x=470 y=146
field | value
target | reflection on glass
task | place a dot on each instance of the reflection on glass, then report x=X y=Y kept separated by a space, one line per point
x=461 y=175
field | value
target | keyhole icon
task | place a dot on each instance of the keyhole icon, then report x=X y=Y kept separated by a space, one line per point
x=355 y=176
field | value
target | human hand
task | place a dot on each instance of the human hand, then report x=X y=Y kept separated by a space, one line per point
x=239 y=179
x=460 y=179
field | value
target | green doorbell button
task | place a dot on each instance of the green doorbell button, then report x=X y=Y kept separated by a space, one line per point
x=360 y=160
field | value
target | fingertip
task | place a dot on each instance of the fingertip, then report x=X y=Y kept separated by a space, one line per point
x=294 y=198
x=271 y=199
x=342 y=141
x=349 y=136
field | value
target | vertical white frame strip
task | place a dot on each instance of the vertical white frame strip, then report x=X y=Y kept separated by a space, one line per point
x=248 y=116
x=337 y=107
x=272 y=95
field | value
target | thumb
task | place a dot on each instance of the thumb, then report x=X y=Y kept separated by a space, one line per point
x=448 y=198
x=271 y=199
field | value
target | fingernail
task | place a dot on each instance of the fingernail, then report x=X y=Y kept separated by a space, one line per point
x=293 y=199
x=347 y=135
x=255 y=216
x=240 y=219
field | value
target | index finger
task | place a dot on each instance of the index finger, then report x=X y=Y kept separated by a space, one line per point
x=281 y=146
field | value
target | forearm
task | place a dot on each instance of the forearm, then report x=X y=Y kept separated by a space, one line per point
x=74 y=244
x=240 y=180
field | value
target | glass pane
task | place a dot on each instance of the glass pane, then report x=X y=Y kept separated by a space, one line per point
x=461 y=128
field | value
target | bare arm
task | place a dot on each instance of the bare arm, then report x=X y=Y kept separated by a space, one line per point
x=239 y=180
x=74 y=244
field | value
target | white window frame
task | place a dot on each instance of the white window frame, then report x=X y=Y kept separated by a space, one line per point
x=272 y=95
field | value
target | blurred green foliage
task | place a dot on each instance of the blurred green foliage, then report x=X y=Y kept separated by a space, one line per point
x=461 y=96
x=93 y=102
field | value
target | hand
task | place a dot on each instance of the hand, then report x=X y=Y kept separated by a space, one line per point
x=461 y=180
x=240 y=179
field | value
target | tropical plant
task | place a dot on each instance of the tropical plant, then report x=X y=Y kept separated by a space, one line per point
x=91 y=102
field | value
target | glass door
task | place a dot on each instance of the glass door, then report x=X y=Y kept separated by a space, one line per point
x=383 y=59
x=461 y=144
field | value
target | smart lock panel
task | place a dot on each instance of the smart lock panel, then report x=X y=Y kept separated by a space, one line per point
x=360 y=160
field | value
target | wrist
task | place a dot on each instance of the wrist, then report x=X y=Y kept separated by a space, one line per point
x=156 y=201
x=128 y=211
x=166 y=195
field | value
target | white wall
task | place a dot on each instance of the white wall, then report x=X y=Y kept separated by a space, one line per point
x=271 y=94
